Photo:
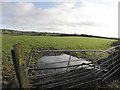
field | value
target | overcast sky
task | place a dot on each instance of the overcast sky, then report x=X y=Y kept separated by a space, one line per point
x=94 y=17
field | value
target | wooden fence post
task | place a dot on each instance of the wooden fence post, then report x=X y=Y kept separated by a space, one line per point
x=19 y=65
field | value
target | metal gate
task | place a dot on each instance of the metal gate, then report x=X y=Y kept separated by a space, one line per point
x=102 y=64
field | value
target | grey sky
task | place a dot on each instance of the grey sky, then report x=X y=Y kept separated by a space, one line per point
x=94 y=17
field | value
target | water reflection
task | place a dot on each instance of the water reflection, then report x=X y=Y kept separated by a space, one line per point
x=59 y=61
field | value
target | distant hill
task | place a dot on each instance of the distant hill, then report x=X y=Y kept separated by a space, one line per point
x=33 y=33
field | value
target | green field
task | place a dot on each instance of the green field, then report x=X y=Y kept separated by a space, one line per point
x=55 y=42
x=47 y=42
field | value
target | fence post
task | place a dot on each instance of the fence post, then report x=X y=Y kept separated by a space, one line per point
x=19 y=65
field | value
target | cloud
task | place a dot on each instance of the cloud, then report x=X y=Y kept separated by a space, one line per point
x=97 y=17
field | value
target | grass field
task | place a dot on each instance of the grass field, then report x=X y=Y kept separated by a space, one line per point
x=53 y=42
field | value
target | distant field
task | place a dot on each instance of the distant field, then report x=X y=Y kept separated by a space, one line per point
x=53 y=42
